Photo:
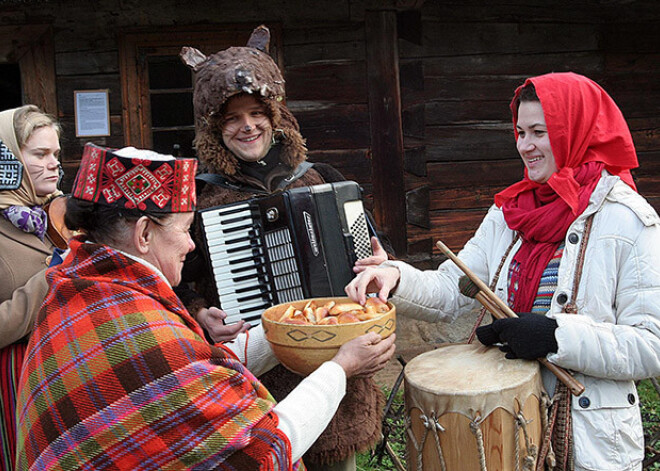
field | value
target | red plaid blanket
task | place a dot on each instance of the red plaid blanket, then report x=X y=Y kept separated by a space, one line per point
x=118 y=376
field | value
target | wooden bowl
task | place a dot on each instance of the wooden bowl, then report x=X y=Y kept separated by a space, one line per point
x=303 y=348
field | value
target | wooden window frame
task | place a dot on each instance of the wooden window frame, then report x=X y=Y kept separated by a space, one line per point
x=31 y=46
x=136 y=44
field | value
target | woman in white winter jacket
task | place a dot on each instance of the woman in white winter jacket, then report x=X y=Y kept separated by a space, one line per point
x=596 y=314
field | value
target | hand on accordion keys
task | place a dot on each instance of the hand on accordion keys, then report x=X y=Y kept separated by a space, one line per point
x=529 y=336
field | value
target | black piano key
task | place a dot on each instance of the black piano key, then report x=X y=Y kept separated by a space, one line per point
x=236 y=219
x=250 y=297
x=229 y=230
x=261 y=308
x=238 y=209
x=250 y=236
x=257 y=262
x=255 y=317
x=256 y=250
x=239 y=248
x=261 y=274
x=255 y=258
x=257 y=283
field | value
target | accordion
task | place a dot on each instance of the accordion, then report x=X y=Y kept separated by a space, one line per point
x=296 y=244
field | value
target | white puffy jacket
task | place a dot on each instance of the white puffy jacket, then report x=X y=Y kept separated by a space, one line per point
x=614 y=339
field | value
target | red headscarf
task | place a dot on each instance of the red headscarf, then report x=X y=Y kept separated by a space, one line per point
x=587 y=133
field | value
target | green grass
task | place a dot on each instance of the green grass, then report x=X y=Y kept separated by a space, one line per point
x=649 y=402
x=397 y=428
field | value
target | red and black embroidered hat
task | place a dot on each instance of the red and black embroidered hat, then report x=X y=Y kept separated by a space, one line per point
x=136 y=179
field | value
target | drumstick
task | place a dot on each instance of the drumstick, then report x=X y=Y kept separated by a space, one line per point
x=499 y=308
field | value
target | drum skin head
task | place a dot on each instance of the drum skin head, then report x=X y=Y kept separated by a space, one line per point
x=472 y=379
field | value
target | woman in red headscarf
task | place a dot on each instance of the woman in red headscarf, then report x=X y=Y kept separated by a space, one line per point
x=574 y=249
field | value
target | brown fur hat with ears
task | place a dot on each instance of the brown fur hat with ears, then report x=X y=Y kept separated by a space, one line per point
x=233 y=71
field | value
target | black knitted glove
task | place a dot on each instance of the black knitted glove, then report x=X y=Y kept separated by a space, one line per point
x=487 y=335
x=530 y=336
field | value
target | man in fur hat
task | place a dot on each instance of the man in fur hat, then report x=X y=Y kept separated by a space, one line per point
x=250 y=143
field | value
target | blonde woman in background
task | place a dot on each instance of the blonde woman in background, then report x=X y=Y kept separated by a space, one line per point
x=29 y=175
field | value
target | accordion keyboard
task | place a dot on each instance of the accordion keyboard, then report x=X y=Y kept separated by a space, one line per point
x=238 y=262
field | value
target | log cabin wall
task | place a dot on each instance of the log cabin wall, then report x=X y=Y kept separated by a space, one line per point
x=458 y=64
x=457 y=82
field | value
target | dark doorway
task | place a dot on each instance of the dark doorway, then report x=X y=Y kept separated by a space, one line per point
x=10 y=86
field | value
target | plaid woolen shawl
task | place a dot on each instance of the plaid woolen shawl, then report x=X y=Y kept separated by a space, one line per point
x=118 y=376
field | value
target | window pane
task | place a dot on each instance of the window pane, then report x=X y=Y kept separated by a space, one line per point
x=164 y=142
x=10 y=86
x=166 y=72
x=171 y=109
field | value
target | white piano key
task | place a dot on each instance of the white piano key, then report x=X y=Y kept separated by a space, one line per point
x=214 y=221
x=225 y=262
x=233 y=303
x=236 y=270
x=229 y=228
x=211 y=218
x=233 y=241
x=225 y=276
x=253 y=317
x=234 y=248
x=217 y=213
x=253 y=285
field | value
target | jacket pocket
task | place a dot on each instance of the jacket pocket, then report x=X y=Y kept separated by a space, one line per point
x=607 y=426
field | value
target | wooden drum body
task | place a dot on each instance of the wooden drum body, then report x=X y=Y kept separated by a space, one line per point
x=468 y=408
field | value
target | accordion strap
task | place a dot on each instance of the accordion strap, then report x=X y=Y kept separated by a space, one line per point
x=297 y=173
x=220 y=180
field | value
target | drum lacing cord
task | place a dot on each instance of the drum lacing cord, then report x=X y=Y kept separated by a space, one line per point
x=431 y=424
x=531 y=450
x=546 y=454
x=478 y=434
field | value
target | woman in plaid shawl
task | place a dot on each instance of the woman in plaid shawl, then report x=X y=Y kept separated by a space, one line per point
x=118 y=375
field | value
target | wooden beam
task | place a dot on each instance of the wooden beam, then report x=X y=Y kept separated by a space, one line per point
x=384 y=92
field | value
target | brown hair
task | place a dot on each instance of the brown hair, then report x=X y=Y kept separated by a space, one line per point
x=28 y=119
x=105 y=224
x=527 y=93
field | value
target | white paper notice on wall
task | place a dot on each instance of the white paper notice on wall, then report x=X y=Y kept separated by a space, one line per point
x=92 y=113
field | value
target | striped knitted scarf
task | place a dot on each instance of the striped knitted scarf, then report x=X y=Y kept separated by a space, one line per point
x=118 y=376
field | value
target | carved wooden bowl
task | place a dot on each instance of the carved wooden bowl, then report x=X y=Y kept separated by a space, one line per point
x=303 y=348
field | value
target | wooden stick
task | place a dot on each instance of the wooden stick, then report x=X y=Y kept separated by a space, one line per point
x=494 y=303
x=490 y=307
x=395 y=458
